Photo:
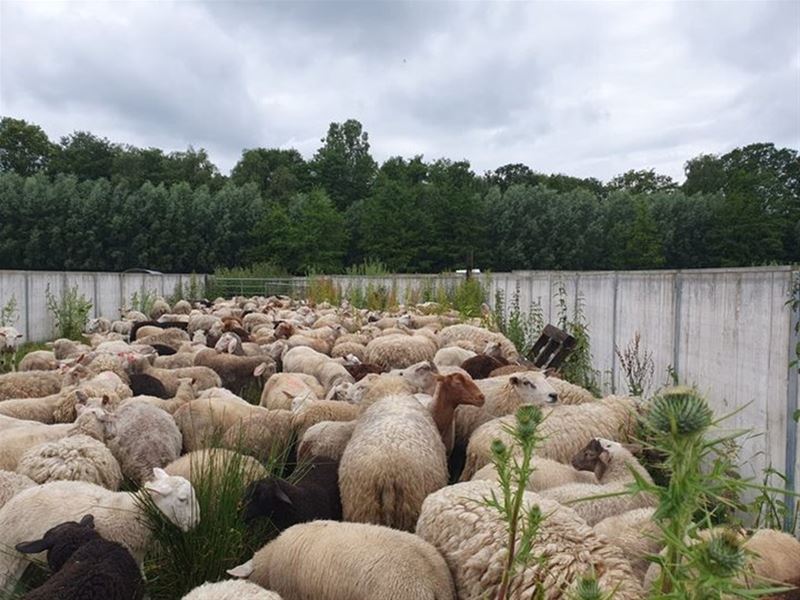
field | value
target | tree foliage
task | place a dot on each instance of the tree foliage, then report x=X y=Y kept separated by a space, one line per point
x=109 y=206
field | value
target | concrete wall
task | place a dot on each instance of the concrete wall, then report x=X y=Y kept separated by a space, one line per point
x=730 y=332
x=106 y=291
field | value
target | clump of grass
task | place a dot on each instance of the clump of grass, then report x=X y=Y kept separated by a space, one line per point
x=513 y=470
x=637 y=365
x=180 y=561
x=143 y=302
x=9 y=314
x=577 y=368
x=324 y=289
x=70 y=312
x=468 y=297
x=522 y=328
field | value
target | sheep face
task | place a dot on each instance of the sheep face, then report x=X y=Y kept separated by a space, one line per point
x=493 y=349
x=9 y=339
x=533 y=388
x=596 y=456
x=266 y=498
x=174 y=496
x=462 y=388
x=61 y=541
x=421 y=375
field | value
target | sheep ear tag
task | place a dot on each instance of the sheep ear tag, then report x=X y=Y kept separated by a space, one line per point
x=32 y=547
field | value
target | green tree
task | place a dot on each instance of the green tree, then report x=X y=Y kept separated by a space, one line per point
x=343 y=165
x=513 y=174
x=138 y=166
x=84 y=155
x=308 y=235
x=24 y=148
x=642 y=182
x=279 y=174
x=192 y=166
x=631 y=233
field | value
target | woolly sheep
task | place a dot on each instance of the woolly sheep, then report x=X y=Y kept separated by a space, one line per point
x=479 y=337
x=12 y=483
x=349 y=561
x=314 y=496
x=210 y=463
x=394 y=459
x=73 y=458
x=503 y=397
x=15 y=441
x=184 y=394
x=98 y=325
x=263 y=434
x=308 y=361
x=204 y=377
x=282 y=388
x=400 y=351
x=472 y=538
x=38 y=360
x=160 y=308
x=142 y=437
x=636 y=534
x=231 y=590
x=612 y=464
x=347 y=348
x=85 y=566
x=565 y=429
x=773 y=560
x=30 y=384
x=569 y=393
x=451 y=356
x=547 y=474
x=316 y=411
x=9 y=339
x=236 y=372
x=118 y=516
x=325 y=439
x=201 y=420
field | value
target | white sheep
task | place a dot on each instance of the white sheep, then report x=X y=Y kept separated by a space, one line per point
x=201 y=420
x=636 y=534
x=30 y=384
x=326 y=439
x=118 y=516
x=230 y=590
x=569 y=393
x=479 y=337
x=39 y=360
x=306 y=360
x=142 y=437
x=472 y=538
x=504 y=395
x=12 y=483
x=451 y=356
x=349 y=561
x=72 y=458
x=399 y=351
x=282 y=388
x=613 y=465
x=394 y=459
x=565 y=429
x=211 y=463
x=547 y=474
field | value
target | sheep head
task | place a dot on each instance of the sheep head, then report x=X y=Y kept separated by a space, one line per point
x=533 y=388
x=174 y=496
x=62 y=541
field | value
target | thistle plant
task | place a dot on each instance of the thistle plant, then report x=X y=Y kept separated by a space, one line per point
x=514 y=467
x=678 y=424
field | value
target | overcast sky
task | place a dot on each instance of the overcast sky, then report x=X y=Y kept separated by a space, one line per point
x=584 y=88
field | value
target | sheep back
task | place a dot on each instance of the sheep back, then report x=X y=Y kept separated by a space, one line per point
x=74 y=458
x=394 y=459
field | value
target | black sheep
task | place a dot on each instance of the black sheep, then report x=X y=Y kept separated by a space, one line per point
x=481 y=365
x=85 y=566
x=160 y=324
x=143 y=384
x=314 y=496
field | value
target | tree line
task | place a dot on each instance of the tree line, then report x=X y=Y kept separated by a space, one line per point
x=86 y=203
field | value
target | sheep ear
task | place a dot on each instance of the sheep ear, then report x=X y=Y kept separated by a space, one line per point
x=32 y=547
x=88 y=521
x=601 y=466
x=635 y=449
x=243 y=571
x=159 y=473
x=513 y=380
x=81 y=396
x=106 y=400
x=157 y=486
x=259 y=370
x=282 y=496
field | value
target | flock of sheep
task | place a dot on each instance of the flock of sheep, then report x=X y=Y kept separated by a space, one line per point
x=383 y=410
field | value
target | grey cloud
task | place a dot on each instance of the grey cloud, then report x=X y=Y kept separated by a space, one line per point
x=590 y=89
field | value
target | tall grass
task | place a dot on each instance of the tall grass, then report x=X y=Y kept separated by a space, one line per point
x=178 y=561
x=144 y=301
x=522 y=328
x=70 y=312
